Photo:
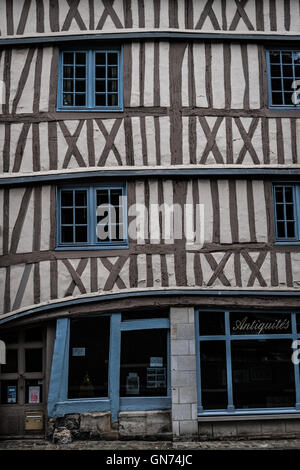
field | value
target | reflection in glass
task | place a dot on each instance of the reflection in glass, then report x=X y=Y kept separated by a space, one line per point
x=213 y=374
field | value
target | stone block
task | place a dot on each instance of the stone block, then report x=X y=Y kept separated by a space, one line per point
x=185 y=331
x=132 y=424
x=182 y=378
x=194 y=410
x=272 y=428
x=192 y=347
x=188 y=428
x=95 y=424
x=205 y=430
x=175 y=395
x=292 y=426
x=181 y=412
x=179 y=315
x=187 y=395
x=186 y=363
x=179 y=347
x=175 y=428
x=191 y=315
x=248 y=428
x=158 y=422
x=221 y=430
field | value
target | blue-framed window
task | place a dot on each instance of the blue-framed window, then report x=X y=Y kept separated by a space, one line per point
x=245 y=364
x=105 y=362
x=286 y=212
x=90 y=80
x=92 y=216
x=284 y=78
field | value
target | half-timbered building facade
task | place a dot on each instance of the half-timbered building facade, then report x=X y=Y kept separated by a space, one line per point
x=116 y=114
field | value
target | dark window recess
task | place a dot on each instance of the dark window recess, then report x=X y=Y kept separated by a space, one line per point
x=262 y=374
x=34 y=360
x=11 y=365
x=88 y=358
x=211 y=323
x=33 y=335
x=9 y=337
x=213 y=375
x=143 y=370
x=9 y=392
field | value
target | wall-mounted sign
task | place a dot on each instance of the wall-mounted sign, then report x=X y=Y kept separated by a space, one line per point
x=79 y=352
x=12 y=394
x=156 y=361
x=34 y=394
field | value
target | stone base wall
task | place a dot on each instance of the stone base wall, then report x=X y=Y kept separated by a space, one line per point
x=249 y=429
x=144 y=425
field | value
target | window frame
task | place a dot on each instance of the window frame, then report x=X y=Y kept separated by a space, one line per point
x=228 y=337
x=58 y=401
x=296 y=196
x=268 y=62
x=91 y=244
x=90 y=80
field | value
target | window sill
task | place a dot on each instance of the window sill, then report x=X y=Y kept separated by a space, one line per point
x=286 y=243
x=90 y=110
x=92 y=247
x=251 y=417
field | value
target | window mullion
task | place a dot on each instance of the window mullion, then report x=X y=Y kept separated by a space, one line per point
x=230 y=406
x=296 y=366
x=91 y=213
x=114 y=365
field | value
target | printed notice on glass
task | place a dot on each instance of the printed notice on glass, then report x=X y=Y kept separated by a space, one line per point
x=11 y=394
x=79 y=352
x=34 y=395
x=156 y=361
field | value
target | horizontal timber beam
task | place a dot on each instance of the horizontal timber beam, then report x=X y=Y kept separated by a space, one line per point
x=148 y=172
x=88 y=299
x=143 y=34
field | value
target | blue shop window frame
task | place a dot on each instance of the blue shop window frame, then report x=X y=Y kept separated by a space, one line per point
x=89 y=245
x=270 y=104
x=296 y=196
x=231 y=410
x=58 y=402
x=90 y=81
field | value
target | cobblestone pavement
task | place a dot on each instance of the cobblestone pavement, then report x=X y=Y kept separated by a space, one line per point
x=281 y=444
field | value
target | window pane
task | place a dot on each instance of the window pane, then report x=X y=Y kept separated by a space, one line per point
x=80 y=58
x=112 y=58
x=275 y=56
x=68 y=71
x=66 y=198
x=80 y=198
x=112 y=85
x=9 y=391
x=116 y=197
x=289 y=195
x=262 y=374
x=143 y=363
x=211 y=323
x=81 y=234
x=68 y=99
x=275 y=71
x=67 y=216
x=79 y=100
x=88 y=358
x=260 y=323
x=67 y=235
x=34 y=360
x=100 y=58
x=80 y=85
x=112 y=100
x=290 y=227
x=112 y=72
x=11 y=365
x=100 y=100
x=280 y=211
x=277 y=98
x=276 y=84
x=100 y=72
x=213 y=374
x=80 y=72
x=68 y=85
x=80 y=216
x=281 y=230
x=100 y=86
x=33 y=391
x=102 y=196
x=68 y=57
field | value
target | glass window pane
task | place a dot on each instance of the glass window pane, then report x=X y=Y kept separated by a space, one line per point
x=100 y=72
x=262 y=374
x=102 y=196
x=66 y=198
x=79 y=100
x=275 y=71
x=277 y=99
x=290 y=227
x=281 y=230
x=68 y=85
x=80 y=72
x=279 y=194
x=67 y=234
x=68 y=71
x=275 y=57
x=80 y=85
x=11 y=365
x=67 y=216
x=100 y=100
x=67 y=99
x=289 y=194
x=80 y=216
x=211 y=323
x=100 y=58
x=81 y=234
x=112 y=100
x=80 y=58
x=213 y=375
x=143 y=363
x=80 y=198
x=68 y=57
x=280 y=211
x=112 y=85
x=34 y=360
x=112 y=72
x=34 y=334
x=260 y=323
x=116 y=197
x=100 y=86
x=276 y=84
x=289 y=211
x=112 y=58
x=9 y=391
x=33 y=391
x=88 y=358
